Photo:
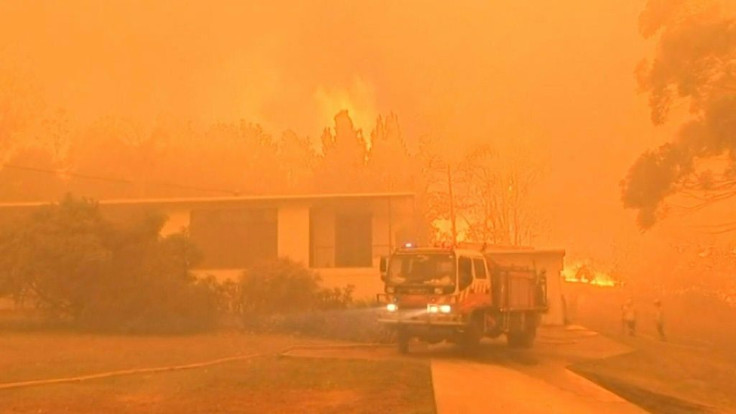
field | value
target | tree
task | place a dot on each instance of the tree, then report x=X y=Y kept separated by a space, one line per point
x=342 y=167
x=297 y=159
x=56 y=255
x=482 y=196
x=695 y=62
x=30 y=174
x=113 y=157
x=390 y=166
x=75 y=265
x=437 y=187
x=19 y=105
x=499 y=209
x=239 y=158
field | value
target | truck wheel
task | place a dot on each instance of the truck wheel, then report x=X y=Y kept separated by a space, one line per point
x=532 y=321
x=474 y=331
x=402 y=338
x=522 y=330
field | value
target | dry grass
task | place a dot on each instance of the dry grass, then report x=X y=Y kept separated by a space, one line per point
x=269 y=384
x=697 y=364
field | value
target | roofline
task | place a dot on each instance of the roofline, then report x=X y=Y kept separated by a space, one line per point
x=505 y=251
x=526 y=251
x=196 y=200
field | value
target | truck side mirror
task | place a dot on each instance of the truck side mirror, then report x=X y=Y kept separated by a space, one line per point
x=383 y=266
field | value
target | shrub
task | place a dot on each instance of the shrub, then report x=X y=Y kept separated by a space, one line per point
x=336 y=298
x=276 y=287
x=285 y=296
x=77 y=266
x=352 y=324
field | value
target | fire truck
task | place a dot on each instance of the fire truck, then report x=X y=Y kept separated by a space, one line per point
x=459 y=295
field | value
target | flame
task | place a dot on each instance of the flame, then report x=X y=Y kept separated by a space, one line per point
x=581 y=273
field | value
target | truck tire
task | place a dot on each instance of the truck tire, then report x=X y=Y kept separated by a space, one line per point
x=522 y=330
x=474 y=331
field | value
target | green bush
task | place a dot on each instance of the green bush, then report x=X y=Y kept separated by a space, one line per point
x=285 y=296
x=278 y=287
x=78 y=267
x=352 y=324
x=336 y=298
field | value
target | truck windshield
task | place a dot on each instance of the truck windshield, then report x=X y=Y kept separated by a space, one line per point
x=422 y=269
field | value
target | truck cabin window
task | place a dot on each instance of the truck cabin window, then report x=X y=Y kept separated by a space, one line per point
x=422 y=269
x=480 y=268
x=465 y=271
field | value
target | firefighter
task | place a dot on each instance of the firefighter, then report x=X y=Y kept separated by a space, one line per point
x=659 y=319
x=629 y=314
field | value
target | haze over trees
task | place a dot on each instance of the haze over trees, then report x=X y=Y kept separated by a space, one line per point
x=121 y=158
x=694 y=64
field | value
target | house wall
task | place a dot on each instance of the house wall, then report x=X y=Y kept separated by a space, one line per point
x=366 y=281
x=293 y=233
x=306 y=234
x=178 y=220
x=322 y=238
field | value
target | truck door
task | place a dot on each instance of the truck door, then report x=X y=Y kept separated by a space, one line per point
x=464 y=272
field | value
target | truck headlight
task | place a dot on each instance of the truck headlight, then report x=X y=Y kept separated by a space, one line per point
x=392 y=307
x=439 y=308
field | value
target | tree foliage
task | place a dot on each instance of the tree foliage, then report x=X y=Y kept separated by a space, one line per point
x=75 y=265
x=278 y=287
x=499 y=208
x=390 y=165
x=491 y=193
x=121 y=158
x=282 y=287
x=695 y=62
x=342 y=167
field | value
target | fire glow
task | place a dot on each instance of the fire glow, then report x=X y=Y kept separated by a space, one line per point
x=584 y=274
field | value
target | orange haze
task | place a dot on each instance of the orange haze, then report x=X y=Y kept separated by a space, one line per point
x=556 y=74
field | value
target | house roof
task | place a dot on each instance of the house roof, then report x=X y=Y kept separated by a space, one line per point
x=229 y=199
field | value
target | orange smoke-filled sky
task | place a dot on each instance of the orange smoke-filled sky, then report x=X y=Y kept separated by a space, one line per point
x=555 y=74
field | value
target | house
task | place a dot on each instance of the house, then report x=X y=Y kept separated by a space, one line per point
x=341 y=236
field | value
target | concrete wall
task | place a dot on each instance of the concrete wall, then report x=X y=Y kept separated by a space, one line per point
x=293 y=233
x=323 y=237
x=366 y=281
x=178 y=220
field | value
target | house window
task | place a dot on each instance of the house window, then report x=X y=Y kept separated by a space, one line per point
x=353 y=240
x=234 y=238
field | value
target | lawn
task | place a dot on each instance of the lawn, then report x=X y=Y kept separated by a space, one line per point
x=265 y=384
x=697 y=364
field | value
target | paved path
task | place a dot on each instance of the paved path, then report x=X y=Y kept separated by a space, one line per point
x=527 y=381
x=464 y=387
